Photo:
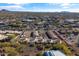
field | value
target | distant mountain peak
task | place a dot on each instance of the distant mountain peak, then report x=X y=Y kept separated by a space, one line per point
x=4 y=10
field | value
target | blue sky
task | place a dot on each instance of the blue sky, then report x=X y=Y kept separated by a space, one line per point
x=41 y=7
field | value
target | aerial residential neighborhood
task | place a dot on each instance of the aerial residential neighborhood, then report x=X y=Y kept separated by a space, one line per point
x=27 y=33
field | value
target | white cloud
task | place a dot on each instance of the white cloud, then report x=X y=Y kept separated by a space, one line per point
x=38 y=1
x=69 y=10
x=13 y=7
x=65 y=5
x=57 y=10
x=73 y=10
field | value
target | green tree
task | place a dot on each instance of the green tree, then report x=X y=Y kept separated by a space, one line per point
x=63 y=47
x=11 y=51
